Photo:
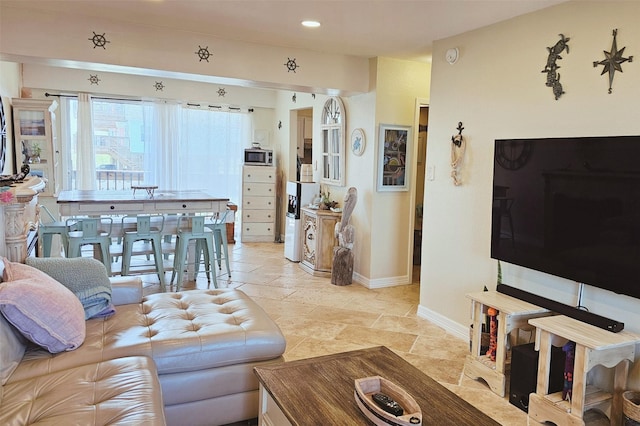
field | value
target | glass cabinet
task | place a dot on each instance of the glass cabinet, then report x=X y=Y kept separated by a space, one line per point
x=35 y=141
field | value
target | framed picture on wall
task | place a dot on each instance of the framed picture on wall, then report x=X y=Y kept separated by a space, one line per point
x=394 y=158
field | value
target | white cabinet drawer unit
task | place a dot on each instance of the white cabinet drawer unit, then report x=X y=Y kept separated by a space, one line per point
x=258 y=204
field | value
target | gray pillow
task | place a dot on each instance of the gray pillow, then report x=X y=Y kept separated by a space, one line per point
x=12 y=346
x=86 y=277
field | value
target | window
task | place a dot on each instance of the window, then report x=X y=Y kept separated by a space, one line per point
x=332 y=124
x=163 y=144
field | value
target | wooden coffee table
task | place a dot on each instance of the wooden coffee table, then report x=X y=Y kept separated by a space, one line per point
x=319 y=391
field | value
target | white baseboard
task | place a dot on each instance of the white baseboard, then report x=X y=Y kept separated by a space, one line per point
x=458 y=330
x=382 y=282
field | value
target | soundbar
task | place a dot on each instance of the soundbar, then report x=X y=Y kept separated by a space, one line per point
x=575 y=313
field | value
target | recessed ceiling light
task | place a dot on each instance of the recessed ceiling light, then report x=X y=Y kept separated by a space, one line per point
x=311 y=24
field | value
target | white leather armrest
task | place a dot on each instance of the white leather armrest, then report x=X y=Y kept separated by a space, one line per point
x=126 y=290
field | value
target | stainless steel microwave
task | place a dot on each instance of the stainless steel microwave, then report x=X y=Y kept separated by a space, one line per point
x=258 y=157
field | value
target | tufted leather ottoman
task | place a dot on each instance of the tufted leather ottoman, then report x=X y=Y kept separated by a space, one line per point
x=205 y=344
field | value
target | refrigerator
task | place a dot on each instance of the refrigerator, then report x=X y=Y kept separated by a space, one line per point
x=299 y=194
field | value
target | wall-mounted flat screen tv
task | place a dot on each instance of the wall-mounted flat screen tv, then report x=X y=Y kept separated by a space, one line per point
x=570 y=207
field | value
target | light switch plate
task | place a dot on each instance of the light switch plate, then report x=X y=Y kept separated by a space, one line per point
x=431 y=172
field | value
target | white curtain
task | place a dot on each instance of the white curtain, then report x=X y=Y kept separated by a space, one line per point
x=183 y=148
x=68 y=129
x=85 y=161
x=211 y=151
x=162 y=147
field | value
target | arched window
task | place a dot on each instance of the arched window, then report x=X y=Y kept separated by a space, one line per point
x=333 y=129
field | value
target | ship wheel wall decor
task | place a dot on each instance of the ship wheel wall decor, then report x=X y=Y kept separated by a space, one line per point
x=291 y=65
x=93 y=79
x=203 y=53
x=99 y=40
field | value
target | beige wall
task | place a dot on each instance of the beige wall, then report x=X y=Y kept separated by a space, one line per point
x=60 y=39
x=383 y=220
x=71 y=80
x=498 y=91
x=360 y=171
x=398 y=85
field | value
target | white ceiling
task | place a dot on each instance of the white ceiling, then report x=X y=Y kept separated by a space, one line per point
x=403 y=29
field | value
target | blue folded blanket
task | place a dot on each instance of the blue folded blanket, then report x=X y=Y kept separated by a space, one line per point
x=86 y=277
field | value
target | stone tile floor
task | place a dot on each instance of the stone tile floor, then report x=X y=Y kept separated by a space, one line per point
x=319 y=318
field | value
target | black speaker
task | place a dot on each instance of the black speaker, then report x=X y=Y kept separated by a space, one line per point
x=524 y=373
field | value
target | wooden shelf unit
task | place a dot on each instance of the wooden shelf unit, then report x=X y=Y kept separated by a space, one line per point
x=513 y=315
x=594 y=346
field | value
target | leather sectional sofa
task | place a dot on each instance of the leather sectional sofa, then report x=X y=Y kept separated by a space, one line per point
x=183 y=358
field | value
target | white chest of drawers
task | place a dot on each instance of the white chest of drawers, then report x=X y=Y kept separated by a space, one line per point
x=258 y=204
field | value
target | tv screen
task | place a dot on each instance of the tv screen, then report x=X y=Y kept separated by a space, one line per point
x=570 y=207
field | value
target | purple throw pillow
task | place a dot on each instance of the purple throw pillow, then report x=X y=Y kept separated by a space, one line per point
x=43 y=310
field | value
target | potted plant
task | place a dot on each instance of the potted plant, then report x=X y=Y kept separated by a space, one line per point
x=36 y=150
x=326 y=201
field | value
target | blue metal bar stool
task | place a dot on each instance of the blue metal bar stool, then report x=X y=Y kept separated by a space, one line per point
x=87 y=230
x=139 y=228
x=194 y=230
x=46 y=231
x=218 y=225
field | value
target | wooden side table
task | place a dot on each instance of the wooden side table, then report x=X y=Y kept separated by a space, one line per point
x=594 y=346
x=513 y=314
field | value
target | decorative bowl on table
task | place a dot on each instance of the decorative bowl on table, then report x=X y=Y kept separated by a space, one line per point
x=401 y=408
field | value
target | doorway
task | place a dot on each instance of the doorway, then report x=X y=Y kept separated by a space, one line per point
x=304 y=140
x=421 y=165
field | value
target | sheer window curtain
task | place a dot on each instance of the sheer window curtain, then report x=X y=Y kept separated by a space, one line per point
x=162 y=144
x=211 y=151
x=184 y=148
x=85 y=161
x=68 y=133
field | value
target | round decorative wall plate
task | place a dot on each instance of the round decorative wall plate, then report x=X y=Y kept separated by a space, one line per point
x=357 y=141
